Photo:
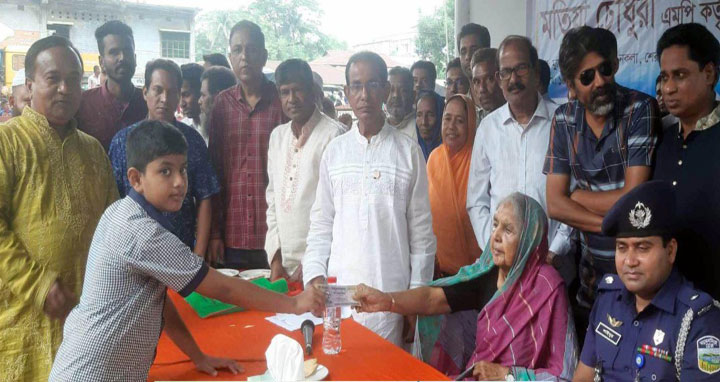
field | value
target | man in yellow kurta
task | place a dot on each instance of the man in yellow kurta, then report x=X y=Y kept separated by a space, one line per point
x=55 y=182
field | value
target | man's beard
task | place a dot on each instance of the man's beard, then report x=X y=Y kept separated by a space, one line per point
x=602 y=108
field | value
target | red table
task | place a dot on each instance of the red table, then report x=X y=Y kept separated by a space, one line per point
x=245 y=336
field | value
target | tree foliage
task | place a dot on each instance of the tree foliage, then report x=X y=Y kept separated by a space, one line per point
x=291 y=29
x=430 y=43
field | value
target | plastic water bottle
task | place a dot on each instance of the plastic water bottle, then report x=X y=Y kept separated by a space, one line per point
x=331 y=343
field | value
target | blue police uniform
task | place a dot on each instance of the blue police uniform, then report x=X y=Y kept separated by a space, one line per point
x=623 y=345
x=677 y=336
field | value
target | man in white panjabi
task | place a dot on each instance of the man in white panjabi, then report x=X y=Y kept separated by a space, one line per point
x=294 y=154
x=371 y=219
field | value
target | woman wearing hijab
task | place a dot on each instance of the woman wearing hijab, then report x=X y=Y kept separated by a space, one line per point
x=524 y=328
x=429 y=109
x=448 y=168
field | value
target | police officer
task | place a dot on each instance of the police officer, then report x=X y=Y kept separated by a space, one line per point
x=648 y=323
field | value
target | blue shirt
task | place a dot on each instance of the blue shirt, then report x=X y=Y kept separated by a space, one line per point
x=616 y=331
x=628 y=139
x=202 y=181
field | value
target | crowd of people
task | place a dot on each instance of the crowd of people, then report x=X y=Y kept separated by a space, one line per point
x=491 y=230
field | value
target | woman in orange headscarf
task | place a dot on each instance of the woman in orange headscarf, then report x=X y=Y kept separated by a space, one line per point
x=448 y=168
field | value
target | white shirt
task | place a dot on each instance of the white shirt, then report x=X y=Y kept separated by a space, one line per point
x=293 y=170
x=93 y=81
x=371 y=220
x=507 y=158
x=407 y=126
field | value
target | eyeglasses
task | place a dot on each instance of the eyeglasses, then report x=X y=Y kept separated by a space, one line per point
x=520 y=71
x=588 y=76
x=371 y=86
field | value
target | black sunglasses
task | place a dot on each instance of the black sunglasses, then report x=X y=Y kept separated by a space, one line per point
x=588 y=76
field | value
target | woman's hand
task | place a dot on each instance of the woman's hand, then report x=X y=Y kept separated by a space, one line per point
x=209 y=365
x=371 y=299
x=486 y=371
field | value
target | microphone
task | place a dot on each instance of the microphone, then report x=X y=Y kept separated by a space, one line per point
x=307 y=328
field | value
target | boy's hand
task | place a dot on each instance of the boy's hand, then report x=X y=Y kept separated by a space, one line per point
x=310 y=300
x=209 y=365
x=59 y=301
x=371 y=299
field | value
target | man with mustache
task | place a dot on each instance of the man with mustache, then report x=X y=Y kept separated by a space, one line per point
x=686 y=156
x=601 y=146
x=471 y=38
x=55 y=183
x=511 y=143
x=191 y=224
x=649 y=322
x=240 y=125
x=116 y=103
x=294 y=153
x=399 y=105
x=485 y=88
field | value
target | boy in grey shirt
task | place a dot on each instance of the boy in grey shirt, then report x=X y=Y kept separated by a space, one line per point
x=113 y=332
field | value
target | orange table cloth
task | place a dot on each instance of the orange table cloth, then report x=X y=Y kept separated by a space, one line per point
x=245 y=336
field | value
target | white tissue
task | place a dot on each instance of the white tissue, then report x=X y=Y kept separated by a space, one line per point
x=285 y=359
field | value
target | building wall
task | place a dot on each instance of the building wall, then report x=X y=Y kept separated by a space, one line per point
x=146 y=22
x=501 y=17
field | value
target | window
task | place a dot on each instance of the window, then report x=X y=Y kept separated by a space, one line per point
x=59 y=30
x=175 y=44
x=18 y=62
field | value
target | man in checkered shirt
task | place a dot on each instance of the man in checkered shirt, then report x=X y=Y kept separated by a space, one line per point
x=113 y=332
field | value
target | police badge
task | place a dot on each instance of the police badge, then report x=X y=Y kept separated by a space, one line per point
x=708 y=354
x=640 y=216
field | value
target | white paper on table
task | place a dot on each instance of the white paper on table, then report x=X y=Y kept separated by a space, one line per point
x=292 y=322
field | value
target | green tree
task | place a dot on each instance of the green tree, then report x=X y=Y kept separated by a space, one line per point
x=435 y=39
x=291 y=29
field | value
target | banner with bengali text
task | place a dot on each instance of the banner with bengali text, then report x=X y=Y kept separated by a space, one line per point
x=637 y=25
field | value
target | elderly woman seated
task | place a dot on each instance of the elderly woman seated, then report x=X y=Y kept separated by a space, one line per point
x=523 y=328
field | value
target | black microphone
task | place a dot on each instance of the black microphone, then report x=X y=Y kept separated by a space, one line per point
x=307 y=328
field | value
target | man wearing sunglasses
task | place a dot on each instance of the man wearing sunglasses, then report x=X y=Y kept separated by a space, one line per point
x=600 y=147
x=511 y=143
x=371 y=219
x=689 y=56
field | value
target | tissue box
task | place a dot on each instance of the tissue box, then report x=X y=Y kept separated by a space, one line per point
x=208 y=307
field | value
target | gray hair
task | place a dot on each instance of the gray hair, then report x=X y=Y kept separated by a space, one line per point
x=518 y=202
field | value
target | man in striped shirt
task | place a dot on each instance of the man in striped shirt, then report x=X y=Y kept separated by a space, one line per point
x=601 y=146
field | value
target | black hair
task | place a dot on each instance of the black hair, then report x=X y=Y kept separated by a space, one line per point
x=256 y=33
x=428 y=67
x=544 y=74
x=294 y=70
x=192 y=73
x=703 y=47
x=166 y=65
x=580 y=41
x=513 y=39
x=454 y=63
x=151 y=140
x=219 y=78
x=405 y=73
x=44 y=44
x=476 y=29
x=115 y=27
x=328 y=107
x=371 y=57
x=481 y=55
x=217 y=59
